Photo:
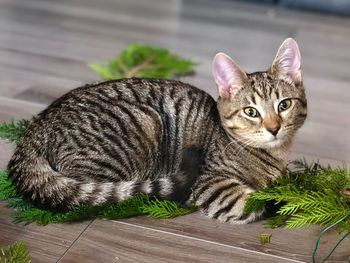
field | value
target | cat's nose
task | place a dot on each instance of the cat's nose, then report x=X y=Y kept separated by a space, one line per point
x=273 y=130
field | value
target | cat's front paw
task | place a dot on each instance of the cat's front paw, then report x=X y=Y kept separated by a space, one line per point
x=239 y=219
x=228 y=207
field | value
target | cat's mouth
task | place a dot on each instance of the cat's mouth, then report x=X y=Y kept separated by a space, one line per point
x=261 y=142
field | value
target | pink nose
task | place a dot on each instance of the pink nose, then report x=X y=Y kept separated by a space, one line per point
x=273 y=130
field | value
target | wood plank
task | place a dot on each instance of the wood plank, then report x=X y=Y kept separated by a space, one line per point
x=6 y=151
x=180 y=40
x=28 y=86
x=57 y=47
x=61 y=67
x=296 y=244
x=11 y=109
x=113 y=241
x=45 y=243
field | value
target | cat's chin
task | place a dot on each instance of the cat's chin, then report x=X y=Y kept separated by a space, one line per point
x=273 y=144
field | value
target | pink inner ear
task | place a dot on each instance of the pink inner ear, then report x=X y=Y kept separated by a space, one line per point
x=226 y=74
x=288 y=59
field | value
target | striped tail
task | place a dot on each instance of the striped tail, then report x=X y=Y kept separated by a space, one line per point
x=39 y=183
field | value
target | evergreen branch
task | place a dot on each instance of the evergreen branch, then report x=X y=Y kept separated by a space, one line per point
x=116 y=210
x=253 y=204
x=12 y=131
x=124 y=209
x=135 y=206
x=165 y=209
x=309 y=201
x=18 y=203
x=15 y=253
x=276 y=193
x=45 y=217
x=7 y=190
x=302 y=219
x=276 y=221
x=311 y=195
x=345 y=226
x=136 y=69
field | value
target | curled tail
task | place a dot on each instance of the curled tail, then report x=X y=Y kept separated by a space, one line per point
x=38 y=182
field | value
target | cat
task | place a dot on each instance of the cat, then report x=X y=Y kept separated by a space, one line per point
x=110 y=141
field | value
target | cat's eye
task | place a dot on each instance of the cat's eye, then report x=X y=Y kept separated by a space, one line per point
x=251 y=112
x=284 y=105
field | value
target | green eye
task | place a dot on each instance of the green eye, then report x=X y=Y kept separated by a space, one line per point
x=251 y=112
x=284 y=105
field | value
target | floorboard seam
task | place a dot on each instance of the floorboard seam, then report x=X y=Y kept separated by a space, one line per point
x=208 y=241
x=75 y=240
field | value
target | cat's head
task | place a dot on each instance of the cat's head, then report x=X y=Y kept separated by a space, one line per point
x=263 y=109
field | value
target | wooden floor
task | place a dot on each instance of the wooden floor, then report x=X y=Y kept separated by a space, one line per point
x=45 y=46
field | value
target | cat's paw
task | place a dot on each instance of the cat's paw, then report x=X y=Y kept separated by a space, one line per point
x=230 y=207
x=241 y=218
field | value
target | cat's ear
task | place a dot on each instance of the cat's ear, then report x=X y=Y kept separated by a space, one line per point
x=227 y=74
x=288 y=61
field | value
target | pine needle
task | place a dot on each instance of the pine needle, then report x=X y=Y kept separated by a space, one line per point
x=276 y=221
x=12 y=131
x=15 y=253
x=7 y=190
x=18 y=203
x=135 y=206
x=165 y=209
x=252 y=205
x=310 y=195
x=124 y=209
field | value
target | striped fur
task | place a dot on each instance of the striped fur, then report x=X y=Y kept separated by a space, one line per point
x=112 y=140
x=109 y=141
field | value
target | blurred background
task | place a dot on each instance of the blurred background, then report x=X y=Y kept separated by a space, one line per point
x=45 y=46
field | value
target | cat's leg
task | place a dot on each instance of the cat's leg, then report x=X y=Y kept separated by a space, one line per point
x=224 y=198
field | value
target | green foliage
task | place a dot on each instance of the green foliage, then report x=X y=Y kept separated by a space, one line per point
x=253 y=204
x=165 y=209
x=116 y=210
x=275 y=221
x=124 y=209
x=310 y=195
x=7 y=190
x=18 y=203
x=264 y=238
x=12 y=131
x=143 y=61
x=135 y=206
x=15 y=253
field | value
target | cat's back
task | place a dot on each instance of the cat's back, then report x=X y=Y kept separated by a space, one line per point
x=166 y=110
x=148 y=121
x=157 y=93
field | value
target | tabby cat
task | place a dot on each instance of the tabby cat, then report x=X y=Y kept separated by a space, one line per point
x=109 y=141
